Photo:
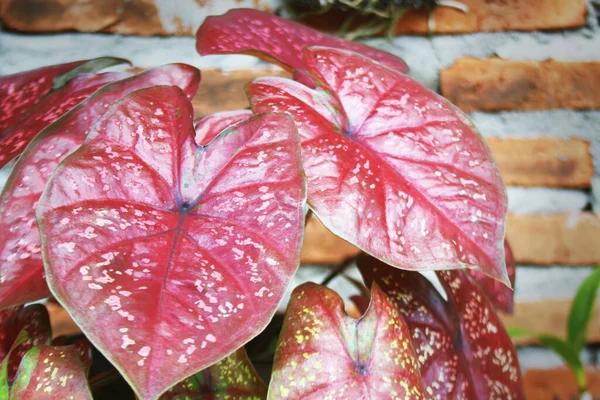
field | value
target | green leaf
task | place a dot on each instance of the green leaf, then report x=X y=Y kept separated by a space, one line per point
x=51 y=372
x=94 y=65
x=4 y=384
x=516 y=332
x=581 y=311
x=571 y=357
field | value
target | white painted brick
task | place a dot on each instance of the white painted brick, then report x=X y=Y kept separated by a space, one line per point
x=596 y=194
x=541 y=200
x=548 y=283
x=543 y=358
x=20 y=52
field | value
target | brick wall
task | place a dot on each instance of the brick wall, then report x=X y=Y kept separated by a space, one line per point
x=527 y=72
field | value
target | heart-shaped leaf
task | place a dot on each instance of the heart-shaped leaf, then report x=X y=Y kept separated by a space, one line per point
x=463 y=349
x=324 y=354
x=14 y=139
x=275 y=39
x=232 y=378
x=20 y=92
x=183 y=252
x=210 y=126
x=49 y=372
x=501 y=296
x=21 y=266
x=95 y=65
x=392 y=167
x=34 y=320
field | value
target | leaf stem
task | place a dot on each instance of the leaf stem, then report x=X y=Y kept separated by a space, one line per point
x=341 y=267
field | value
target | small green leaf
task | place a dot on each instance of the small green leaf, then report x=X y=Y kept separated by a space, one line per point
x=233 y=377
x=571 y=357
x=516 y=332
x=97 y=64
x=4 y=385
x=51 y=372
x=581 y=311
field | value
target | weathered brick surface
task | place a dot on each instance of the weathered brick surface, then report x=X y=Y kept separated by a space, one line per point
x=498 y=85
x=492 y=16
x=59 y=15
x=133 y=17
x=546 y=317
x=156 y=17
x=560 y=384
x=553 y=239
x=224 y=91
x=543 y=161
x=557 y=239
x=320 y=246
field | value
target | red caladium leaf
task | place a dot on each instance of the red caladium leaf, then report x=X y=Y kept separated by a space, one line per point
x=20 y=92
x=49 y=372
x=500 y=295
x=210 y=126
x=391 y=166
x=233 y=378
x=34 y=320
x=463 y=349
x=83 y=347
x=183 y=252
x=323 y=353
x=275 y=39
x=21 y=267
x=14 y=139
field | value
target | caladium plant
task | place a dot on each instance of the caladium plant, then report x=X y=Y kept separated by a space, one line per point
x=171 y=242
x=392 y=167
x=275 y=39
x=35 y=99
x=30 y=367
x=21 y=265
x=464 y=352
x=323 y=353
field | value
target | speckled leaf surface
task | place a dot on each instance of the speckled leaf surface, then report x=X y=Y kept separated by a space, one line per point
x=275 y=39
x=49 y=372
x=324 y=354
x=501 y=296
x=20 y=92
x=391 y=166
x=182 y=251
x=21 y=267
x=210 y=126
x=14 y=140
x=232 y=378
x=83 y=347
x=32 y=319
x=463 y=350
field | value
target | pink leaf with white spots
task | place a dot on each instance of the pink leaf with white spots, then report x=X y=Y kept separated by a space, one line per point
x=391 y=166
x=49 y=372
x=463 y=350
x=21 y=266
x=324 y=354
x=232 y=378
x=14 y=140
x=32 y=319
x=182 y=251
x=500 y=295
x=275 y=39
x=83 y=347
x=20 y=92
x=210 y=126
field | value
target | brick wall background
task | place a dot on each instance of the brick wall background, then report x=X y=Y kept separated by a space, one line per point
x=527 y=72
